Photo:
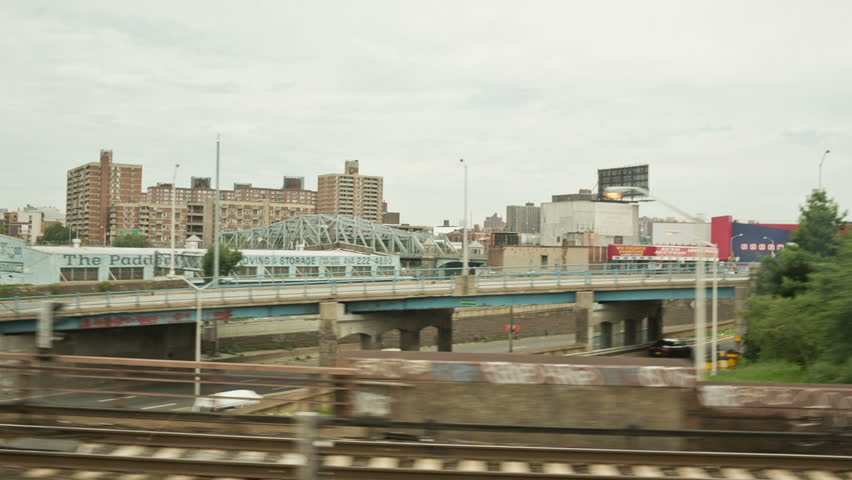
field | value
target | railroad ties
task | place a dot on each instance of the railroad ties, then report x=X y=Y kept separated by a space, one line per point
x=102 y=461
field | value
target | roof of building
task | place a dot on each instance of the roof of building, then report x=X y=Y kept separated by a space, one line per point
x=67 y=250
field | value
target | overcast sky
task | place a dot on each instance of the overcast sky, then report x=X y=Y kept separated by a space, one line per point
x=731 y=103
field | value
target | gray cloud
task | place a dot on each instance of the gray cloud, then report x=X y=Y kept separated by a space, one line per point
x=730 y=103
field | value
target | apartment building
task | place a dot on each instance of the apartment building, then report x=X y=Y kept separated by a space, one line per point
x=523 y=218
x=93 y=189
x=350 y=193
x=243 y=207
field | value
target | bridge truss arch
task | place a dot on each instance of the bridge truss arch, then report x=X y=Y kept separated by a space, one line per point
x=307 y=231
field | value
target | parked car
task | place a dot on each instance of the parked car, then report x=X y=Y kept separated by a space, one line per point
x=671 y=348
x=227 y=401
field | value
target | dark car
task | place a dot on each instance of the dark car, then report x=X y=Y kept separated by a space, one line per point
x=671 y=348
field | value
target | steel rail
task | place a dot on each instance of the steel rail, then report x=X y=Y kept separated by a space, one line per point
x=445 y=450
x=229 y=419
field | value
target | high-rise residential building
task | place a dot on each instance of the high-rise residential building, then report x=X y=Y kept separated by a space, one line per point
x=293 y=183
x=105 y=200
x=523 y=219
x=350 y=193
x=493 y=223
x=92 y=191
x=244 y=207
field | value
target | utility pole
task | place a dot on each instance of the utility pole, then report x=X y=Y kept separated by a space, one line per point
x=216 y=214
x=216 y=217
x=174 y=219
x=464 y=225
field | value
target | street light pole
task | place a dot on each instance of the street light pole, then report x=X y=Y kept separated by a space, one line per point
x=464 y=225
x=715 y=317
x=700 y=285
x=174 y=219
x=731 y=254
x=820 y=167
x=216 y=218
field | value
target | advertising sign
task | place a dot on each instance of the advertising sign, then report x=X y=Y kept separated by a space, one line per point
x=675 y=253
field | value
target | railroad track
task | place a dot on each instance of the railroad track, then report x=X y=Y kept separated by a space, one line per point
x=243 y=457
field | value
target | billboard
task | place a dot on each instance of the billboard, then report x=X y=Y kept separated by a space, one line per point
x=749 y=241
x=661 y=253
x=635 y=176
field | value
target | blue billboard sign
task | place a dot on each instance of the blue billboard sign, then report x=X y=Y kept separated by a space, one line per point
x=752 y=241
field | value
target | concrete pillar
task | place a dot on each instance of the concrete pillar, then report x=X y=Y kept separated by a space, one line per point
x=655 y=324
x=464 y=285
x=631 y=331
x=445 y=339
x=330 y=313
x=583 y=316
x=606 y=334
x=409 y=340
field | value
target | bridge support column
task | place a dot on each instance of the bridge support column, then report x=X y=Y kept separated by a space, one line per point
x=445 y=339
x=409 y=340
x=583 y=314
x=330 y=313
x=655 y=324
x=464 y=285
x=631 y=331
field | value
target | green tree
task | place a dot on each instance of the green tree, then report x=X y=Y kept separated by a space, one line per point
x=228 y=260
x=785 y=275
x=802 y=311
x=833 y=288
x=56 y=234
x=820 y=222
x=131 y=240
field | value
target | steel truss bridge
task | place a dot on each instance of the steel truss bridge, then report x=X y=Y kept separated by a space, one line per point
x=306 y=231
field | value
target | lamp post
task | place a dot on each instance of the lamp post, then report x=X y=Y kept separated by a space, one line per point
x=216 y=219
x=820 y=167
x=464 y=224
x=774 y=245
x=174 y=219
x=700 y=287
x=731 y=255
x=198 y=329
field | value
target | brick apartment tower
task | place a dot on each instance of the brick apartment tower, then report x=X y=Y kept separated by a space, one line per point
x=350 y=193
x=92 y=190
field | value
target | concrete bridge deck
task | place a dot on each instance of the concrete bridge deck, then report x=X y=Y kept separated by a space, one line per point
x=179 y=306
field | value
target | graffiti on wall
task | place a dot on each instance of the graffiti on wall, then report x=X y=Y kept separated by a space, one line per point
x=734 y=396
x=525 y=373
x=141 y=319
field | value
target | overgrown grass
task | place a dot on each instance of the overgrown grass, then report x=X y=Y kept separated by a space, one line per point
x=767 y=371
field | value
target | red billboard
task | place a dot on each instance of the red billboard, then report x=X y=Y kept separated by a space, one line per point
x=678 y=253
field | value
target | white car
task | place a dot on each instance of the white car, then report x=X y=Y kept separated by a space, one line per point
x=226 y=401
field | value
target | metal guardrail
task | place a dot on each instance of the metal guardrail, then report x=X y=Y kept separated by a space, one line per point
x=409 y=281
x=117 y=379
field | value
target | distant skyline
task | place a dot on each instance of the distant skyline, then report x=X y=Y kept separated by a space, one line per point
x=731 y=103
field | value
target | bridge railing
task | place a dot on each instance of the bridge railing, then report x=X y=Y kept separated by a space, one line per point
x=171 y=384
x=409 y=280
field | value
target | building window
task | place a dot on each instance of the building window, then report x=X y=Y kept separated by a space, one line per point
x=78 y=274
x=278 y=270
x=310 y=272
x=544 y=259
x=362 y=271
x=127 y=273
x=245 y=271
x=386 y=270
x=335 y=271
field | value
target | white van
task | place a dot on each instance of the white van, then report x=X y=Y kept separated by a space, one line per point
x=226 y=401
